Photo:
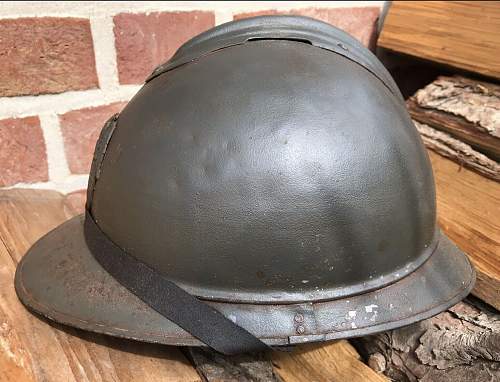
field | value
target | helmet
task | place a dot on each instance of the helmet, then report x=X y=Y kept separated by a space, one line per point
x=266 y=182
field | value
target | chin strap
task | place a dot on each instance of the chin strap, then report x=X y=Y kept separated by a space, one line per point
x=191 y=314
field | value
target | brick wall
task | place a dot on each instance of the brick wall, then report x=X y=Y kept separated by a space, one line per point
x=66 y=67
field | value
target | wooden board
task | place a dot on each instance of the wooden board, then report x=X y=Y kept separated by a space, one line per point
x=468 y=207
x=334 y=362
x=463 y=34
x=31 y=349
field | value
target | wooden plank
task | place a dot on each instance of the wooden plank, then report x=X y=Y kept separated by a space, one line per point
x=26 y=215
x=332 y=362
x=468 y=207
x=467 y=109
x=463 y=34
x=33 y=350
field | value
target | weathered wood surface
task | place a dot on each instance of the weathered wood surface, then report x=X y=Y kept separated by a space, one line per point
x=215 y=367
x=459 y=345
x=33 y=350
x=448 y=113
x=333 y=362
x=463 y=34
x=458 y=151
x=468 y=207
x=467 y=109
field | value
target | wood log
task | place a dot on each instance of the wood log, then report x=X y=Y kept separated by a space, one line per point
x=468 y=110
x=460 y=345
x=460 y=152
x=468 y=204
x=334 y=362
x=462 y=34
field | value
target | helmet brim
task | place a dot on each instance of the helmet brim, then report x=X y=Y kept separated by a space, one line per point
x=60 y=279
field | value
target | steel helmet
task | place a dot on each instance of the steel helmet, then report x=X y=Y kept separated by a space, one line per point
x=266 y=186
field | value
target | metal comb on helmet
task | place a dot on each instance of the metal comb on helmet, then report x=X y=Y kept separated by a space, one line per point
x=266 y=186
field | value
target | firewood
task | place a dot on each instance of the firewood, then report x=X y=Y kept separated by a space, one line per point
x=468 y=207
x=461 y=344
x=468 y=110
x=335 y=361
x=459 y=119
x=458 y=151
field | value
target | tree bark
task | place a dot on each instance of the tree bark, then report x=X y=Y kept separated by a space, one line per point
x=469 y=110
x=461 y=344
x=458 y=151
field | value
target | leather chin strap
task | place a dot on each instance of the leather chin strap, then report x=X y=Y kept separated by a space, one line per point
x=193 y=315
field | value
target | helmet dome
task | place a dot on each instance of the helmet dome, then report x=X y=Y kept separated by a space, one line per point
x=268 y=171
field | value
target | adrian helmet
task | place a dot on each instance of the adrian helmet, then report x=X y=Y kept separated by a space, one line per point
x=266 y=186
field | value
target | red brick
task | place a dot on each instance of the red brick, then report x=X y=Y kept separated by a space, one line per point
x=46 y=55
x=144 y=41
x=22 y=152
x=360 y=22
x=80 y=130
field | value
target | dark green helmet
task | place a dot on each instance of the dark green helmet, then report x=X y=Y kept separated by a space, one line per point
x=269 y=169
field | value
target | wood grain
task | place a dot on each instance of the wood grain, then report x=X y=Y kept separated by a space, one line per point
x=467 y=109
x=468 y=207
x=458 y=151
x=333 y=362
x=34 y=350
x=463 y=34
